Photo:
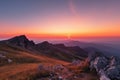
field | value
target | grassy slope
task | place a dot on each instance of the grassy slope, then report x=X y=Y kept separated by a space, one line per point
x=24 y=63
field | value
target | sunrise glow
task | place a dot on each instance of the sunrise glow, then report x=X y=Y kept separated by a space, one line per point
x=63 y=19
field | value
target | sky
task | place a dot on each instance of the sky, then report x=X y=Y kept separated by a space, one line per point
x=63 y=19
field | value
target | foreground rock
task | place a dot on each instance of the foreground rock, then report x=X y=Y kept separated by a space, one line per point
x=107 y=68
x=103 y=76
x=72 y=71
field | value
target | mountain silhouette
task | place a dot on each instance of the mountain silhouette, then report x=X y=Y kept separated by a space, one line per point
x=58 y=51
x=21 y=41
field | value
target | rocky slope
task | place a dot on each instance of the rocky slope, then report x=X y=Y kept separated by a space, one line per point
x=106 y=68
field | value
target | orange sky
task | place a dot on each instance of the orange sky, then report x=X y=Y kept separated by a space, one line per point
x=60 y=19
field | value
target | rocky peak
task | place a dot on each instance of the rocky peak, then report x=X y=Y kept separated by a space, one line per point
x=22 y=36
x=18 y=38
x=21 y=41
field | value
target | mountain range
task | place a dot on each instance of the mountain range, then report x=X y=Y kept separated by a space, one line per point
x=23 y=59
x=107 y=49
x=58 y=51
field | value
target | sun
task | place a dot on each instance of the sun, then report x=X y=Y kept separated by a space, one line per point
x=68 y=36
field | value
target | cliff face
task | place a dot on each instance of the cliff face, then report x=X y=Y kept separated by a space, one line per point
x=107 y=68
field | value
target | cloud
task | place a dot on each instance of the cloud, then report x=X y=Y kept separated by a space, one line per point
x=72 y=7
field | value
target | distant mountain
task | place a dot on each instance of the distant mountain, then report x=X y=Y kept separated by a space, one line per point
x=61 y=51
x=58 y=51
x=107 y=50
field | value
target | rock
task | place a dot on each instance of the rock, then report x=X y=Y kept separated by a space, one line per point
x=9 y=60
x=2 y=56
x=75 y=77
x=114 y=61
x=59 y=67
x=99 y=63
x=60 y=78
x=75 y=62
x=107 y=68
x=103 y=76
x=114 y=72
